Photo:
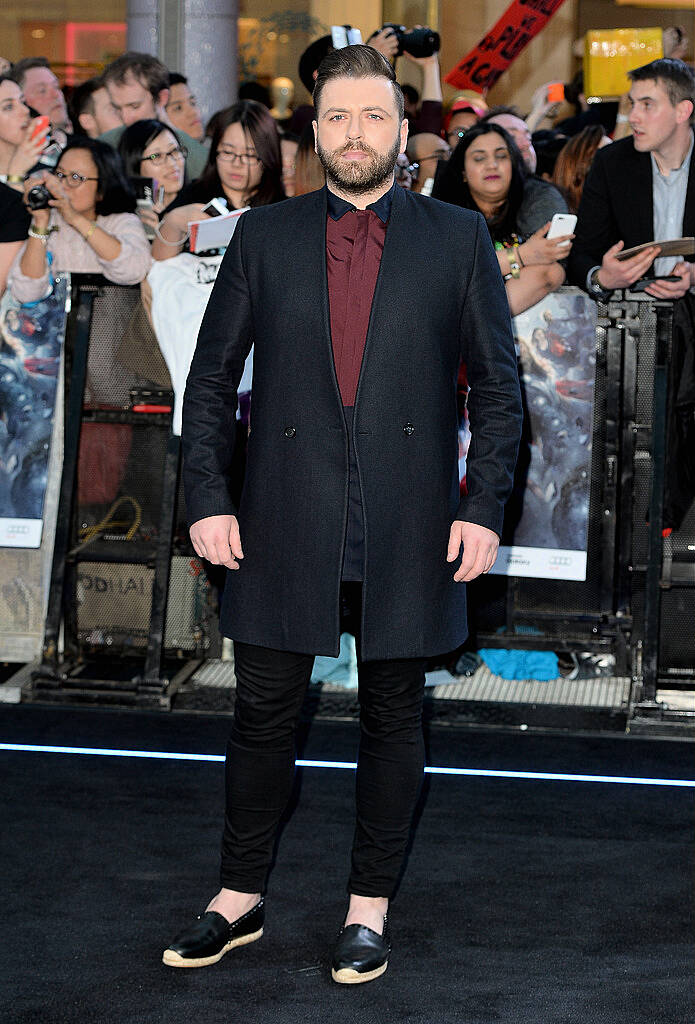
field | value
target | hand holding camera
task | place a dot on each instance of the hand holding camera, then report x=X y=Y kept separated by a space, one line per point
x=44 y=192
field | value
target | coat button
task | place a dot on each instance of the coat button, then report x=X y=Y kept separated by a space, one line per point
x=290 y=431
x=409 y=429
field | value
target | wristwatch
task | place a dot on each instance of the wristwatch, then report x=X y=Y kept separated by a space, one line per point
x=12 y=179
x=594 y=286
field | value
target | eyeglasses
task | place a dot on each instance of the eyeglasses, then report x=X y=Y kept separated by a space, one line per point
x=230 y=156
x=176 y=154
x=72 y=180
x=441 y=154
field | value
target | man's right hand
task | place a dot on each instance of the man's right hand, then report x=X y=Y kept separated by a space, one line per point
x=615 y=273
x=217 y=539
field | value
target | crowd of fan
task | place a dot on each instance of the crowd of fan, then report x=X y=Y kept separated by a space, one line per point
x=128 y=163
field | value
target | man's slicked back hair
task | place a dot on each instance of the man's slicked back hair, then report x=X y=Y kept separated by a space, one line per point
x=357 y=61
x=676 y=77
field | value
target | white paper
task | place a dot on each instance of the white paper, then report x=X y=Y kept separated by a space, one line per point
x=214 y=233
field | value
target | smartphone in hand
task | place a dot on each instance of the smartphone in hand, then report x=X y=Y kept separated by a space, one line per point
x=561 y=224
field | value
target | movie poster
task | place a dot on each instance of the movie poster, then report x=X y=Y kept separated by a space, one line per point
x=31 y=344
x=547 y=520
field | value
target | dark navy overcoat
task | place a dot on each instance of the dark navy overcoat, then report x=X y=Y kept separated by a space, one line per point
x=439 y=299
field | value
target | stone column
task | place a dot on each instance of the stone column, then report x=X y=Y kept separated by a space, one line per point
x=142 y=25
x=198 y=38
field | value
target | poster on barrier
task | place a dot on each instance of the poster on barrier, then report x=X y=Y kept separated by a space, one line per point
x=31 y=438
x=31 y=347
x=547 y=522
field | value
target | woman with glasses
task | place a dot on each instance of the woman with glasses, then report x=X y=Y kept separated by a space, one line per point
x=244 y=168
x=150 y=149
x=88 y=225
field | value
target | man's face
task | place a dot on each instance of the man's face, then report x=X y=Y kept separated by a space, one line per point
x=358 y=133
x=429 y=151
x=518 y=130
x=42 y=92
x=653 y=118
x=459 y=124
x=133 y=101
x=182 y=108
x=104 y=118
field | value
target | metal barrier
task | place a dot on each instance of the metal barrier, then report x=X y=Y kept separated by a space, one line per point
x=131 y=611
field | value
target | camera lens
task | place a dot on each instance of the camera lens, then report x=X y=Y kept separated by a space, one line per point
x=38 y=198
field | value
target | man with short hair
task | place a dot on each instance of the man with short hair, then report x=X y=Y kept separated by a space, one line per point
x=91 y=108
x=138 y=86
x=182 y=108
x=351 y=491
x=42 y=90
x=641 y=189
x=426 y=150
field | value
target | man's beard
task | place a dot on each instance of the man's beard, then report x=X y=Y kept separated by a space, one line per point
x=358 y=177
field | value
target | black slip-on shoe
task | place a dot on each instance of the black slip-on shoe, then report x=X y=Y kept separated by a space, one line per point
x=360 y=954
x=211 y=936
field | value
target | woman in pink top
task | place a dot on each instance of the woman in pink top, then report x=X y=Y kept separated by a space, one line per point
x=89 y=225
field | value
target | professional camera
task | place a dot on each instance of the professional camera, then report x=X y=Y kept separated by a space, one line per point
x=418 y=42
x=38 y=198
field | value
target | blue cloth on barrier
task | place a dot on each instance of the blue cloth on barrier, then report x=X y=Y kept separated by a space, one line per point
x=342 y=670
x=517 y=664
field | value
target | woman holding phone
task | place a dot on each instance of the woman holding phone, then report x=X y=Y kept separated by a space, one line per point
x=151 y=150
x=21 y=142
x=486 y=173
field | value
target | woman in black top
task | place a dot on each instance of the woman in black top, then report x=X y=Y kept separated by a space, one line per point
x=486 y=173
x=18 y=154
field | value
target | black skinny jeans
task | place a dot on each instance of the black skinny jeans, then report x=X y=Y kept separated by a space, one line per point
x=260 y=765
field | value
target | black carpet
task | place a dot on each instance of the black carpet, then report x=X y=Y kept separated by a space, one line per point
x=524 y=902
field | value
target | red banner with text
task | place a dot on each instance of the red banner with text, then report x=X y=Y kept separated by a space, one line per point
x=522 y=20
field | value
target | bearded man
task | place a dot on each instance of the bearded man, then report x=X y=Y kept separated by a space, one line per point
x=361 y=301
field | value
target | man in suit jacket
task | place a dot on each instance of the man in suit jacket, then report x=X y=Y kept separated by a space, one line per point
x=638 y=190
x=641 y=189
x=361 y=300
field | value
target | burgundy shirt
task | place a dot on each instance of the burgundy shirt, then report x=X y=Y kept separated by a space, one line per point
x=354 y=244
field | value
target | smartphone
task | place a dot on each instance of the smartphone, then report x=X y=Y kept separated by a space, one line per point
x=643 y=283
x=216 y=208
x=556 y=92
x=40 y=126
x=344 y=35
x=561 y=224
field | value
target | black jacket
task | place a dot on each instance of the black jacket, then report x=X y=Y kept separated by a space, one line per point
x=439 y=298
x=617 y=203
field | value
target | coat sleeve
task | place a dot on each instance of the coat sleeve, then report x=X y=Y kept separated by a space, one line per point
x=494 y=400
x=596 y=229
x=210 y=400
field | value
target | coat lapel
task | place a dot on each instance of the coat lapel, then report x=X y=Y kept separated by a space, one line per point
x=309 y=249
x=689 y=212
x=390 y=269
x=642 y=212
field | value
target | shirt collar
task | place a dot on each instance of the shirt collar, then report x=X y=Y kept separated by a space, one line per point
x=676 y=170
x=337 y=206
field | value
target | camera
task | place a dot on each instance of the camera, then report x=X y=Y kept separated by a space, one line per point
x=418 y=42
x=38 y=198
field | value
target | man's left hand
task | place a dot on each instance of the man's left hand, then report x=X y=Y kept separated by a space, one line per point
x=673 y=289
x=479 y=549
